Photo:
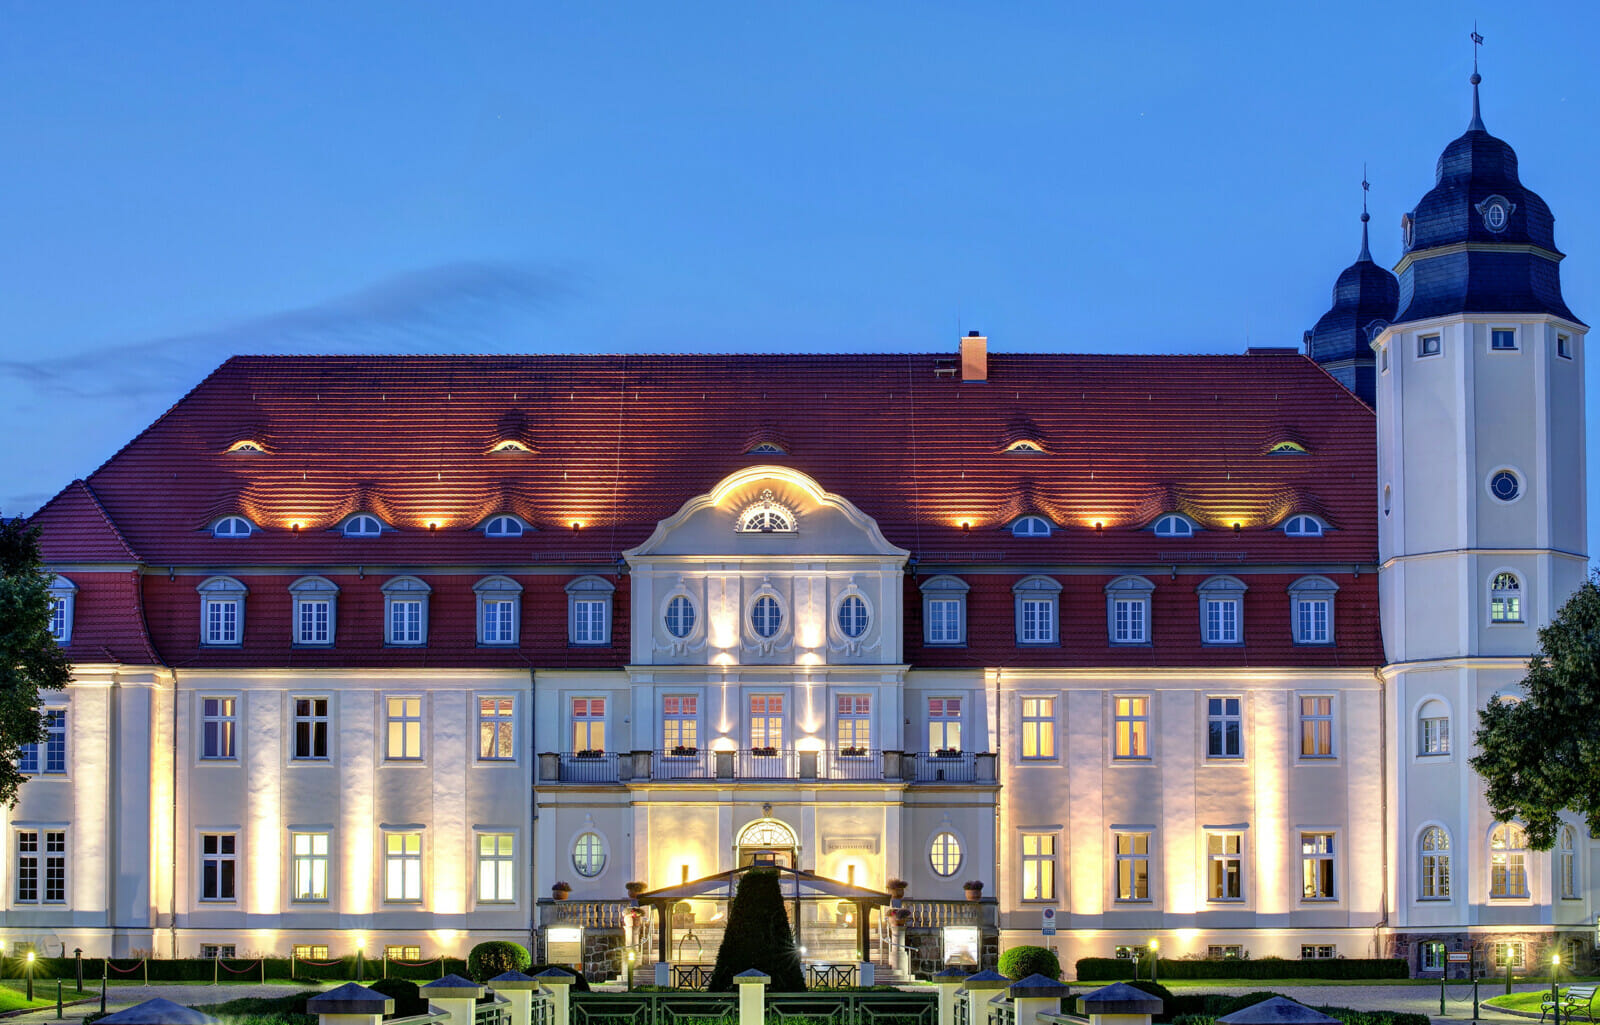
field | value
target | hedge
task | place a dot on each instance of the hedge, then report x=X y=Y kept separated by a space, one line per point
x=236 y=969
x=1108 y=969
x=1343 y=1014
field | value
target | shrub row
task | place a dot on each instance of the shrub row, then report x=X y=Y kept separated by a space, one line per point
x=1206 y=1008
x=1108 y=969
x=244 y=969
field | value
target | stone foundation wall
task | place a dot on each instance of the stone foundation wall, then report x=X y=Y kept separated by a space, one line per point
x=925 y=950
x=605 y=954
x=1577 y=953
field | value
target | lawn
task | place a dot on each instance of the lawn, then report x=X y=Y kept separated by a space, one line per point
x=13 y=994
x=1523 y=1001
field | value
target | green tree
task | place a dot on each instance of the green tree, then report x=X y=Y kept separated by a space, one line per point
x=1540 y=755
x=758 y=936
x=30 y=659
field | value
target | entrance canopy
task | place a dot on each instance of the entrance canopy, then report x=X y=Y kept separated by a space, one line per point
x=794 y=884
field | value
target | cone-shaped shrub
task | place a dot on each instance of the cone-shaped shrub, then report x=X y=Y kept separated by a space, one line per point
x=758 y=936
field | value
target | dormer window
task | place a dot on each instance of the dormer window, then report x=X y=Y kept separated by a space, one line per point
x=1287 y=448
x=503 y=526
x=766 y=516
x=1174 y=525
x=63 y=593
x=1025 y=445
x=1303 y=526
x=247 y=445
x=362 y=525
x=509 y=445
x=232 y=526
x=766 y=448
x=1031 y=526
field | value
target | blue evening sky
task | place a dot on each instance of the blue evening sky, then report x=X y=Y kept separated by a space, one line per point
x=182 y=182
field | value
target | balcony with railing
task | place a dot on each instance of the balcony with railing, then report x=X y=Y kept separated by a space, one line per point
x=845 y=765
x=944 y=767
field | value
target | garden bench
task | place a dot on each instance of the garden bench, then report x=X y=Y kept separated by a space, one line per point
x=1578 y=1000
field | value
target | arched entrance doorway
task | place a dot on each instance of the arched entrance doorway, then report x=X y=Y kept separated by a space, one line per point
x=767 y=841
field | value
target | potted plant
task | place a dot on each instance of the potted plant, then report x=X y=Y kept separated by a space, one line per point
x=899 y=916
x=685 y=751
x=764 y=752
x=852 y=752
x=897 y=888
x=974 y=888
x=590 y=753
x=948 y=752
x=560 y=890
x=635 y=888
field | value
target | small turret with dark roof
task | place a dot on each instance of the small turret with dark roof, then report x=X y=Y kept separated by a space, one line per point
x=1479 y=241
x=1364 y=301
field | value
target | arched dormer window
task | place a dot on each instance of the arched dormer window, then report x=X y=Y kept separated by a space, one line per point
x=63 y=594
x=766 y=448
x=247 y=446
x=944 y=611
x=362 y=525
x=405 y=611
x=1037 y=598
x=499 y=610
x=222 y=612
x=1505 y=599
x=1303 y=526
x=1128 y=610
x=1174 y=525
x=232 y=526
x=766 y=516
x=1025 y=446
x=503 y=526
x=589 y=611
x=509 y=446
x=315 y=602
x=1031 y=526
x=1287 y=448
x=1222 y=610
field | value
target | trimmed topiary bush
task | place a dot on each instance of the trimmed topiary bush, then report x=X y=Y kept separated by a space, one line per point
x=758 y=936
x=408 y=1000
x=496 y=957
x=1021 y=962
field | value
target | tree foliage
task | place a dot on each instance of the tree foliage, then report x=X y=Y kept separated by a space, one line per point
x=1540 y=755
x=30 y=659
x=758 y=936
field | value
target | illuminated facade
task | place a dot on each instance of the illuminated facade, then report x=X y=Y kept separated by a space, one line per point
x=410 y=652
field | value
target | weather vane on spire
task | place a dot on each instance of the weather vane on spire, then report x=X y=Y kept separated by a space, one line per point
x=1366 y=187
x=1477 y=41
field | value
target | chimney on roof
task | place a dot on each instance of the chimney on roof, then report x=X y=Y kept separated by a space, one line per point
x=974 y=357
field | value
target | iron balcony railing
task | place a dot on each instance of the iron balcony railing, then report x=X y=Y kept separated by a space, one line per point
x=944 y=767
x=589 y=767
x=841 y=764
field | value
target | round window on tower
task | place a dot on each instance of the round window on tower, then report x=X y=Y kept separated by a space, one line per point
x=1505 y=486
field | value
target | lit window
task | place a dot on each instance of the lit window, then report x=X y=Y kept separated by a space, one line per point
x=588 y=725
x=944 y=725
x=402 y=953
x=854 y=721
x=944 y=611
x=680 y=724
x=1131 y=727
x=765 y=448
x=1128 y=610
x=503 y=526
x=1316 y=863
x=680 y=616
x=1316 y=727
x=1564 y=346
x=1032 y=447
x=222 y=611
x=309 y=852
x=1433 y=723
x=219 y=863
x=1287 y=448
x=314 y=600
x=497 y=869
x=1214 y=951
x=1510 y=953
x=1428 y=345
x=1038 y=727
x=1311 y=605
x=1508 y=854
x=1433 y=875
x=1133 y=866
x=402 y=866
x=1318 y=951
x=496 y=729
x=1224 y=727
x=54 y=747
x=1302 y=526
x=1433 y=959
x=1036 y=600
x=852 y=616
x=305 y=951
x=232 y=526
x=1505 y=599
x=218 y=951
x=499 y=605
x=63 y=595
x=1038 y=866
x=1502 y=339
x=41 y=867
x=362 y=525
x=404 y=729
x=1031 y=526
x=945 y=855
x=509 y=445
x=1225 y=866
x=405 y=618
x=589 y=610
x=217 y=726
x=1567 y=864
x=766 y=721
x=1174 y=525
x=1505 y=486
x=247 y=445
x=766 y=516
x=588 y=855
x=310 y=728
x=766 y=616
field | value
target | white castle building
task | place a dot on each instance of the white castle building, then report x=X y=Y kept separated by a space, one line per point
x=377 y=651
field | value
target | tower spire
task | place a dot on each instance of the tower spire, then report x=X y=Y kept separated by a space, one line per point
x=1366 y=254
x=1476 y=125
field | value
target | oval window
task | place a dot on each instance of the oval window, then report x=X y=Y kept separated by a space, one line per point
x=1505 y=486
x=853 y=616
x=589 y=855
x=680 y=616
x=766 y=616
x=945 y=854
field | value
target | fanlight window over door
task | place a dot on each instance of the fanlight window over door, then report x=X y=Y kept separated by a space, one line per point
x=767 y=841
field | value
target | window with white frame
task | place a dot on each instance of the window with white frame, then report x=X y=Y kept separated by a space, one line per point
x=1316 y=726
x=1038 y=866
x=1031 y=526
x=1564 y=346
x=63 y=595
x=1567 y=864
x=1502 y=339
x=1036 y=602
x=1225 y=866
x=1174 y=525
x=402 y=866
x=218 y=951
x=309 y=951
x=853 y=715
x=362 y=525
x=766 y=616
x=222 y=611
x=589 y=725
x=1510 y=953
x=944 y=854
x=497 y=869
x=314 y=601
x=405 y=607
x=1038 y=727
x=1433 y=728
x=1433 y=864
x=1221 y=608
x=1311 y=606
x=50 y=757
x=1302 y=526
x=679 y=617
x=766 y=722
x=503 y=526
x=1133 y=866
x=232 y=526
x=310 y=728
x=497 y=723
x=1215 y=951
x=589 y=611
x=1130 y=726
x=1128 y=610
x=404 y=728
x=1318 y=951
x=766 y=515
x=41 y=866
x=680 y=724
x=1433 y=959
x=1428 y=345
x=1317 y=867
x=944 y=611
x=852 y=616
x=1225 y=727
x=218 y=726
x=219 y=863
x=402 y=952
x=944 y=725
x=1505 y=599
x=499 y=607
x=589 y=854
x=1508 y=862
x=309 y=857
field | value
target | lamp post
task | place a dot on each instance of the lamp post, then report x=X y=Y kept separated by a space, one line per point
x=30 y=976
x=1555 y=990
x=361 y=943
x=1154 y=946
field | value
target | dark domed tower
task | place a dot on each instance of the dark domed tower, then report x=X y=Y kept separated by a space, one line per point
x=1364 y=301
